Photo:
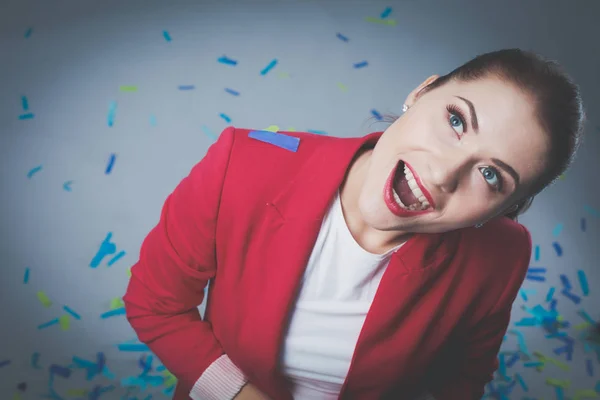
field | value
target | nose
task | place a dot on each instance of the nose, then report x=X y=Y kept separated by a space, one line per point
x=446 y=170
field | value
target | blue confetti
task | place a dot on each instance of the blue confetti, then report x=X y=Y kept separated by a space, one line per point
x=376 y=115
x=571 y=296
x=152 y=120
x=535 y=278
x=111 y=162
x=225 y=117
x=67 y=186
x=208 y=132
x=361 y=64
x=233 y=92
x=63 y=372
x=559 y=393
x=317 y=132
x=4 y=363
x=26 y=277
x=521 y=340
x=583 y=282
x=112 y=313
x=583 y=224
x=228 y=61
x=26 y=116
x=558 y=249
x=512 y=360
x=24 y=103
x=521 y=382
x=550 y=294
x=587 y=317
x=116 y=258
x=35 y=358
x=386 y=13
x=523 y=294
x=557 y=229
x=106 y=247
x=186 y=87
x=537 y=253
x=112 y=111
x=280 y=140
x=73 y=313
x=591 y=210
x=565 y=281
x=269 y=67
x=536 y=270
x=28 y=33
x=49 y=323
x=533 y=364
x=342 y=37
x=167 y=36
x=133 y=347
x=589 y=367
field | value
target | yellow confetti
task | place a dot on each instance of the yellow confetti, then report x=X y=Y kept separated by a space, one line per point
x=129 y=272
x=342 y=87
x=116 y=303
x=381 y=21
x=291 y=129
x=170 y=379
x=284 y=75
x=585 y=394
x=272 y=128
x=128 y=88
x=582 y=326
x=77 y=392
x=562 y=177
x=65 y=322
x=565 y=383
x=44 y=299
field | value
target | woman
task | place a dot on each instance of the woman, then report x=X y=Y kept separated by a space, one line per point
x=380 y=267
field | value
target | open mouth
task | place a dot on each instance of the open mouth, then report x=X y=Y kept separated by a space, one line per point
x=407 y=191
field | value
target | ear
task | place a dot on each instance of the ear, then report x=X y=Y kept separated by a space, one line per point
x=414 y=95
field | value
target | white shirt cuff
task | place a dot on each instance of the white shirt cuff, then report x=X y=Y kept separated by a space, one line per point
x=222 y=380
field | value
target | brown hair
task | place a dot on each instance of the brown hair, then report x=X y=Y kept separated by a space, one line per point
x=559 y=107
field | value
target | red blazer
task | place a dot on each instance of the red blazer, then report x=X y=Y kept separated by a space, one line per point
x=246 y=218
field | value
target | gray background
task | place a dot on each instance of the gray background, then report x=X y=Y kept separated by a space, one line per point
x=80 y=52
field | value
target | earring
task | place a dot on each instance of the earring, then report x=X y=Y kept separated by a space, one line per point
x=404 y=108
x=479 y=225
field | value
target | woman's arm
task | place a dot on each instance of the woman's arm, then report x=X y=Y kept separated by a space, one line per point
x=176 y=261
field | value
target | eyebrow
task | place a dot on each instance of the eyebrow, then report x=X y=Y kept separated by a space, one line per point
x=509 y=170
x=474 y=122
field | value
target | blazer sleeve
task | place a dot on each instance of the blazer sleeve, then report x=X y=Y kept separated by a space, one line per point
x=177 y=259
x=464 y=374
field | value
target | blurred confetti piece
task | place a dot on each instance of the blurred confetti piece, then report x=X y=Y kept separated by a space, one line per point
x=225 y=117
x=112 y=111
x=116 y=258
x=550 y=294
x=186 y=87
x=208 y=132
x=521 y=341
x=565 y=281
x=283 y=141
x=361 y=64
x=521 y=382
x=523 y=295
x=342 y=37
x=589 y=367
x=583 y=224
x=116 y=303
x=536 y=270
x=65 y=322
x=28 y=33
x=561 y=383
x=591 y=210
x=271 y=128
x=67 y=186
x=133 y=347
x=112 y=313
x=26 y=116
x=575 y=299
x=381 y=21
x=49 y=323
x=283 y=75
x=342 y=87
x=583 y=282
x=587 y=317
x=111 y=163
x=557 y=248
x=24 y=103
x=269 y=67
x=35 y=358
x=22 y=386
x=376 y=114
x=16 y=396
x=26 y=277
x=152 y=120
x=386 y=13
x=233 y=92
x=537 y=253
x=226 y=60
x=557 y=229
x=562 y=177
x=77 y=392
x=43 y=298
x=73 y=313
x=167 y=36
x=128 y=88
x=536 y=278
x=129 y=272
x=4 y=363
x=106 y=248
x=291 y=129
x=33 y=171
x=61 y=371
x=317 y=132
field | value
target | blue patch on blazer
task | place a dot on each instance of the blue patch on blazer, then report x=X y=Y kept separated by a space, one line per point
x=278 y=139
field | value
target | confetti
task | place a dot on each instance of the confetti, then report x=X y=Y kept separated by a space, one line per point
x=386 y=13
x=342 y=87
x=49 y=323
x=342 y=37
x=43 y=298
x=550 y=294
x=381 y=21
x=583 y=224
x=186 y=87
x=116 y=303
x=4 y=363
x=583 y=282
x=112 y=313
x=73 y=313
x=565 y=281
x=557 y=229
x=233 y=92
x=152 y=120
x=536 y=270
x=535 y=278
x=591 y=210
x=376 y=114
x=209 y=133
x=111 y=162
x=537 y=253
x=26 y=277
x=67 y=186
x=316 y=132
x=64 y=322
x=283 y=141
x=133 y=347
x=589 y=367
x=116 y=258
x=28 y=33
x=361 y=64
x=34 y=171
x=26 y=116
x=35 y=358
x=112 y=111
x=571 y=296
x=269 y=67
x=228 y=61
x=167 y=36
x=521 y=382
x=225 y=117
x=558 y=249
x=128 y=88
x=25 y=103
x=271 y=128
x=106 y=248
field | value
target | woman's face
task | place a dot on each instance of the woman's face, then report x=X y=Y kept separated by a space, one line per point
x=473 y=150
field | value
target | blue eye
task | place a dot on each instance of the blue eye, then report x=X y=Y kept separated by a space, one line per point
x=456 y=120
x=492 y=177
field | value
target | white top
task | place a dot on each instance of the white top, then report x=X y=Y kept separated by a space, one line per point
x=337 y=290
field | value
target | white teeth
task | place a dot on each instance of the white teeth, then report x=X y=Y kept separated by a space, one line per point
x=412 y=183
